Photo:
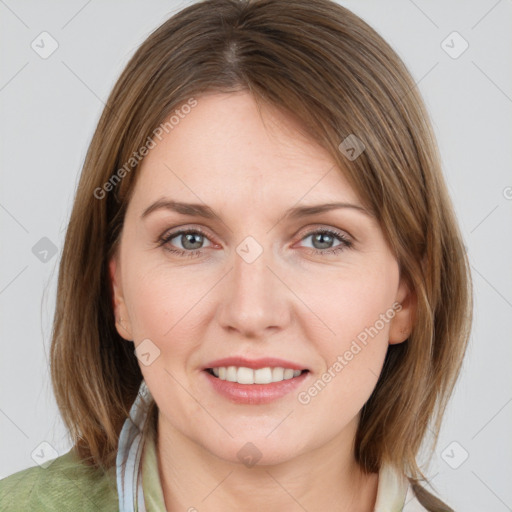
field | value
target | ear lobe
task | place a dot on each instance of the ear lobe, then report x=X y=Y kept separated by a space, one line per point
x=123 y=325
x=402 y=323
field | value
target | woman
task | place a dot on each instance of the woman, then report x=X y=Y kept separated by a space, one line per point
x=263 y=298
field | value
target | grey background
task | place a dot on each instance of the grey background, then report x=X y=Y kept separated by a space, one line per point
x=49 y=109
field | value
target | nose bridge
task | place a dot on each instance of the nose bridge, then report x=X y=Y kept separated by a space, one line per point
x=255 y=299
x=250 y=272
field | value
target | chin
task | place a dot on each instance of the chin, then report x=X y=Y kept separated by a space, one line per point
x=256 y=449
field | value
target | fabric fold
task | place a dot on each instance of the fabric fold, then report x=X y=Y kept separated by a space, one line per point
x=129 y=454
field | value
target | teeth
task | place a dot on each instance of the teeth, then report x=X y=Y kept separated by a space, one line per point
x=288 y=374
x=277 y=374
x=244 y=375
x=230 y=373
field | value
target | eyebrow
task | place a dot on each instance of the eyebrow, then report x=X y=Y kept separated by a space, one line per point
x=204 y=211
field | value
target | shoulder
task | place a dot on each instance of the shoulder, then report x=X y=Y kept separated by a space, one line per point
x=65 y=481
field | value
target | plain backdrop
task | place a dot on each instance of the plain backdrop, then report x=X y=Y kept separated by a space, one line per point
x=49 y=109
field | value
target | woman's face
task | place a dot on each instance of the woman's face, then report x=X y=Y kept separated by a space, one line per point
x=252 y=281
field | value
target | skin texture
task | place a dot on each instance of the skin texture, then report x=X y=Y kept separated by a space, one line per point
x=250 y=167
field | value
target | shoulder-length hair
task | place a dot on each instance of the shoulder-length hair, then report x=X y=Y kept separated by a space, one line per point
x=317 y=61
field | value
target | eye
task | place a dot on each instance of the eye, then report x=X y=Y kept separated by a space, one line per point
x=191 y=241
x=322 y=240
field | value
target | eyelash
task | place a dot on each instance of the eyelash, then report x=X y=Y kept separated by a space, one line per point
x=164 y=240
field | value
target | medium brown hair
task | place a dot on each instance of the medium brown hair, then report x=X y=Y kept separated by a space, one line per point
x=316 y=61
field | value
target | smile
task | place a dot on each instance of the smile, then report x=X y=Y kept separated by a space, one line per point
x=242 y=385
x=244 y=375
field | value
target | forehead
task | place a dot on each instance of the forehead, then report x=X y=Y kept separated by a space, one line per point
x=226 y=149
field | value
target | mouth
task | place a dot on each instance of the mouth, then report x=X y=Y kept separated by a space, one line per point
x=247 y=376
x=254 y=386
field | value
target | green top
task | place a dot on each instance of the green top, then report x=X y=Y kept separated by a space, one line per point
x=66 y=481
x=70 y=483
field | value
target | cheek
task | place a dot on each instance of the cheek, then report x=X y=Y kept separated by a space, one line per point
x=358 y=312
x=352 y=362
x=151 y=303
x=166 y=307
x=350 y=303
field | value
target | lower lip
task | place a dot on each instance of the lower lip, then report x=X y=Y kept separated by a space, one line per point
x=254 y=394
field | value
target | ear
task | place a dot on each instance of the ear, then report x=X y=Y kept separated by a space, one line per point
x=402 y=323
x=123 y=324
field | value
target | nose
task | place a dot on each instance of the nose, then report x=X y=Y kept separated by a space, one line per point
x=255 y=300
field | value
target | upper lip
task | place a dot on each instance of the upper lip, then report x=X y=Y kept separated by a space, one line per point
x=255 y=364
